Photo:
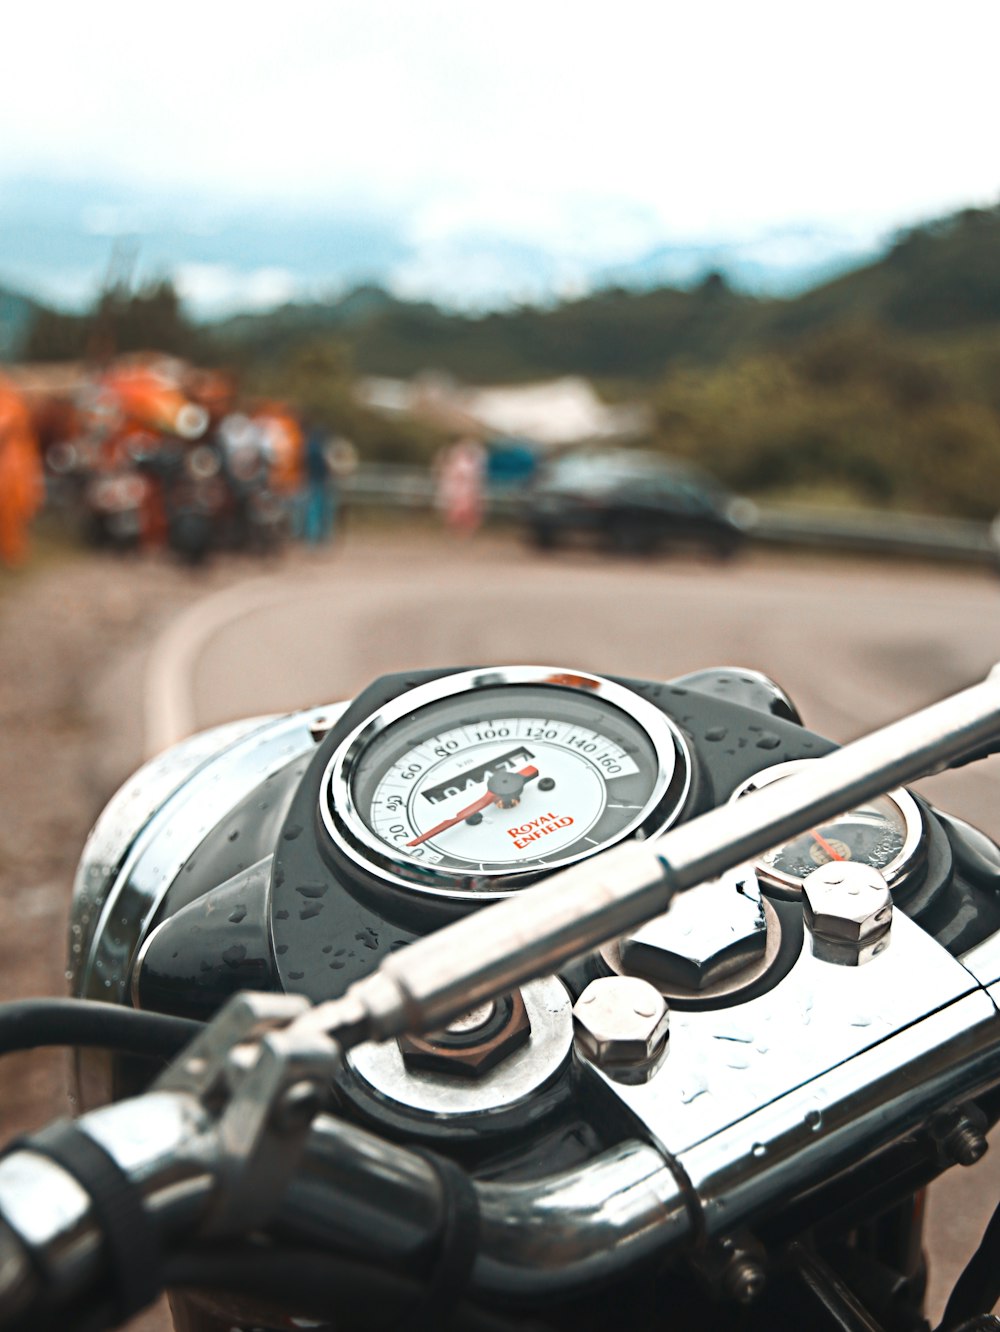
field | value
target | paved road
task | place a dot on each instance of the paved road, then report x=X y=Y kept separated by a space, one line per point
x=854 y=643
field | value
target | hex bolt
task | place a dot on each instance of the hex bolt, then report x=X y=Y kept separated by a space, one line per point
x=473 y=1043
x=622 y=1025
x=961 y=1134
x=710 y=932
x=847 y=908
x=732 y=1268
x=966 y=1145
x=744 y=1279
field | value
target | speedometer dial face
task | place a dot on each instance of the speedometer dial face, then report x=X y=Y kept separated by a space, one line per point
x=886 y=833
x=481 y=781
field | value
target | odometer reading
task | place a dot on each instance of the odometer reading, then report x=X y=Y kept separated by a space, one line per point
x=477 y=781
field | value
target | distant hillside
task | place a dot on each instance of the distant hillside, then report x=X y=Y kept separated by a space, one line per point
x=940 y=278
x=612 y=334
x=943 y=277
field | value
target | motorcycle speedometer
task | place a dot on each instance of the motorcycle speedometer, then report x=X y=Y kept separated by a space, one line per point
x=480 y=782
x=886 y=832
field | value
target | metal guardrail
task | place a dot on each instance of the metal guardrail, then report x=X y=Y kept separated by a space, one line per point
x=879 y=532
x=863 y=530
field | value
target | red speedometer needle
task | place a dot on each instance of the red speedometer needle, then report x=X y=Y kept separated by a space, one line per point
x=490 y=798
x=825 y=845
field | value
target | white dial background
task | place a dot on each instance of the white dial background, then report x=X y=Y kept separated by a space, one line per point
x=431 y=782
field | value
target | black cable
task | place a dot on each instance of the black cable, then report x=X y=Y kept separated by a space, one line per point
x=27 y=1024
x=317 y=1284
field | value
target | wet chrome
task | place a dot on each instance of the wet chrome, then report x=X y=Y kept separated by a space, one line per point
x=707 y=935
x=622 y=1024
x=210 y=787
x=350 y=833
x=883 y=1094
x=847 y=909
x=380 y=1069
x=729 y=986
x=725 y=1064
x=128 y=811
x=572 y=1229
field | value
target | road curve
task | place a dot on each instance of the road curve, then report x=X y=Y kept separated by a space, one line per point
x=855 y=643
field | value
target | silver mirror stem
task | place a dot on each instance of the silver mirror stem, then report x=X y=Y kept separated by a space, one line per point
x=487 y=953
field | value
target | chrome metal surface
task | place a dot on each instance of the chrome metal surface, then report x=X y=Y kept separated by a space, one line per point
x=896 y=871
x=707 y=934
x=847 y=909
x=725 y=1064
x=125 y=815
x=621 y=1024
x=578 y=909
x=150 y=1138
x=579 y=1227
x=49 y=1210
x=157 y=1142
x=879 y=1096
x=205 y=794
x=379 y=1069
x=349 y=831
x=729 y=986
x=983 y=961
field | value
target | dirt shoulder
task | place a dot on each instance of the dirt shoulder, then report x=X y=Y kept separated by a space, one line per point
x=73 y=639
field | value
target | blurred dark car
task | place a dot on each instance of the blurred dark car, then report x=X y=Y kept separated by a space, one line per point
x=634 y=502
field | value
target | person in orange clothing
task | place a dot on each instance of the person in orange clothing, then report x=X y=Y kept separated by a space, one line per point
x=284 y=444
x=22 y=485
x=284 y=449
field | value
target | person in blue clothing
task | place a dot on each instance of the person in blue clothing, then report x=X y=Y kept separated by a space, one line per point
x=320 y=509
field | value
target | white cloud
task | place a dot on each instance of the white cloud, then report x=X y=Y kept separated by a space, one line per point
x=595 y=131
x=215 y=289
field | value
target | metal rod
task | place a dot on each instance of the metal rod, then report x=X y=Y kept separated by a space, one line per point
x=487 y=953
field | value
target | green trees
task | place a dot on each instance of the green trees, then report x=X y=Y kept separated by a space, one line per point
x=149 y=318
x=856 y=415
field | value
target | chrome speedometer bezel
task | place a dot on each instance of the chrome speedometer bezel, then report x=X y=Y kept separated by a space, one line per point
x=351 y=835
x=897 y=872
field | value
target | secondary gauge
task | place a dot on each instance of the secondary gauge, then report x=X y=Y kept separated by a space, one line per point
x=481 y=781
x=886 y=833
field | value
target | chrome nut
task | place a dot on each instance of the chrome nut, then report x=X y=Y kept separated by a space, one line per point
x=708 y=933
x=621 y=1024
x=847 y=908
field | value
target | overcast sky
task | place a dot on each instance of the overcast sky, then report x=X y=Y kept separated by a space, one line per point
x=605 y=126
